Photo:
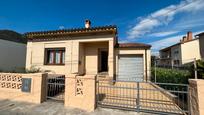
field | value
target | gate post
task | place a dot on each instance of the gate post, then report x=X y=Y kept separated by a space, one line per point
x=196 y=93
x=44 y=87
x=80 y=92
x=138 y=97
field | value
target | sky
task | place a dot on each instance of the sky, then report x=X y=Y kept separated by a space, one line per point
x=160 y=23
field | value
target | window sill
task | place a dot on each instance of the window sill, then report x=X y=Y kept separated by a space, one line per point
x=54 y=64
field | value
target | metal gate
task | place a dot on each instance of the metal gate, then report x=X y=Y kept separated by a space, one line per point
x=161 y=98
x=55 y=87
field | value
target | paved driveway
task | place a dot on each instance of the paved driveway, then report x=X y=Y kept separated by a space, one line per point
x=52 y=108
x=124 y=94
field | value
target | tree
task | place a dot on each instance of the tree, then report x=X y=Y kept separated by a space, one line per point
x=200 y=68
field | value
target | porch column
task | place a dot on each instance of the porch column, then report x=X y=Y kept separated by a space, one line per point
x=75 y=57
x=111 y=58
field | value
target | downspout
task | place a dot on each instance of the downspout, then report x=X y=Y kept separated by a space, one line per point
x=146 y=64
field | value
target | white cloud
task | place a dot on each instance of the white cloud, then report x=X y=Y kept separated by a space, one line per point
x=190 y=23
x=162 y=34
x=157 y=45
x=123 y=41
x=163 y=17
x=61 y=27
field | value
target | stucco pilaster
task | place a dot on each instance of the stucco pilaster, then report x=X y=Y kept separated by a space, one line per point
x=29 y=55
x=111 y=58
x=75 y=57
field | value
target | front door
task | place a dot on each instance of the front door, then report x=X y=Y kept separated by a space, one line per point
x=104 y=61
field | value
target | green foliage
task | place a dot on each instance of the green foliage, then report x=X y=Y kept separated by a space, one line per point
x=33 y=69
x=200 y=68
x=164 y=75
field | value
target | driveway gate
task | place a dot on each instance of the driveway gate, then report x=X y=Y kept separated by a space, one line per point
x=161 y=98
x=55 y=87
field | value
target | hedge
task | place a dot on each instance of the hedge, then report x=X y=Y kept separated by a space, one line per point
x=164 y=75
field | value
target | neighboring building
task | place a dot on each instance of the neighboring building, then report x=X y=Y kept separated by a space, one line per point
x=181 y=53
x=88 y=51
x=201 y=43
x=13 y=51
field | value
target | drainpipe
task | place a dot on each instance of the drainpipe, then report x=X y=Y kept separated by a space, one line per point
x=146 y=64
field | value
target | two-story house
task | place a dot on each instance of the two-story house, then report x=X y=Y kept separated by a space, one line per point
x=183 y=52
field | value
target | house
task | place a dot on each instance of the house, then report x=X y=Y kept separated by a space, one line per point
x=88 y=51
x=183 y=52
x=13 y=51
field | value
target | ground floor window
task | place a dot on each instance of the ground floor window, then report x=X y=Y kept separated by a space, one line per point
x=55 y=56
x=176 y=62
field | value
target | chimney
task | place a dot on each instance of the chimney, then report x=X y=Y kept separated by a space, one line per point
x=189 y=36
x=87 y=24
x=184 y=39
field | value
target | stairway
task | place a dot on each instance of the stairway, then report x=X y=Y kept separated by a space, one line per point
x=103 y=76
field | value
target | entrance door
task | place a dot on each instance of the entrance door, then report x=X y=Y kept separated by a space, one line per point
x=55 y=87
x=104 y=61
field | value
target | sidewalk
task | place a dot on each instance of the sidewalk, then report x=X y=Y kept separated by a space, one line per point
x=52 y=108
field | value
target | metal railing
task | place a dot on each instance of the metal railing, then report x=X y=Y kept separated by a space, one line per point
x=56 y=87
x=162 y=98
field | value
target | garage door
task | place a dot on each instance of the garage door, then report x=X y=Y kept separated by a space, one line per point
x=131 y=68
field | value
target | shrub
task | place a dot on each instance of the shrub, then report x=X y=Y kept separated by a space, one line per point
x=33 y=69
x=200 y=68
x=164 y=75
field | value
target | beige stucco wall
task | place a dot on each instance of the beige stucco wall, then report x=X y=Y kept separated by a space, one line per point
x=80 y=92
x=136 y=51
x=13 y=56
x=11 y=90
x=190 y=50
x=91 y=56
x=73 y=54
x=176 y=53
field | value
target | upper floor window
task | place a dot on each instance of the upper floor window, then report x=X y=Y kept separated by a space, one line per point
x=55 y=56
x=176 y=52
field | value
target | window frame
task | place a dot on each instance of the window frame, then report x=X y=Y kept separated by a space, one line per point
x=54 y=50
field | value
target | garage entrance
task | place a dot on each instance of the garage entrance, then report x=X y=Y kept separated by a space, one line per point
x=130 y=68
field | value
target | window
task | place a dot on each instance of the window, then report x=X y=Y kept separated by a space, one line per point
x=55 y=56
x=176 y=62
x=176 y=52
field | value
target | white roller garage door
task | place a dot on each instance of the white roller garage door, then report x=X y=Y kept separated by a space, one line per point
x=130 y=68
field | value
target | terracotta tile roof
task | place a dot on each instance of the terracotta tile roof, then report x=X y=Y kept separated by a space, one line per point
x=133 y=45
x=109 y=28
